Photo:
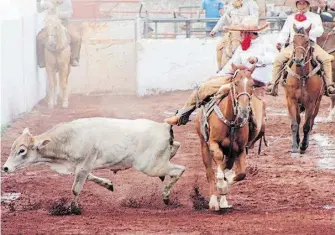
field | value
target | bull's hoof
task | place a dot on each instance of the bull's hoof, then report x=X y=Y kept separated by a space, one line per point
x=166 y=201
x=111 y=187
x=162 y=178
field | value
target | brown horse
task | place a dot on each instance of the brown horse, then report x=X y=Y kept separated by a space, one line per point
x=57 y=54
x=228 y=136
x=327 y=42
x=304 y=88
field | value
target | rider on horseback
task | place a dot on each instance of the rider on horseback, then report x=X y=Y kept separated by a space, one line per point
x=236 y=11
x=63 y=9
x=303 y=18
x=252 y=51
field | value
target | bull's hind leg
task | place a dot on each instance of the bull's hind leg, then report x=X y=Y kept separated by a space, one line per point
x=101 y=181
x=81 y=174
x=175 y=172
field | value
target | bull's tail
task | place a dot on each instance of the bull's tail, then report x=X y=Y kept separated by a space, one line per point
x=171 y=135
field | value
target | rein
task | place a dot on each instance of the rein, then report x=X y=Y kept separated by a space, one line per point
x=306 y=51
x=233 y=125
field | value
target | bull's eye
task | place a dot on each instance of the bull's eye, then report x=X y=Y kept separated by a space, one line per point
x=22 y=151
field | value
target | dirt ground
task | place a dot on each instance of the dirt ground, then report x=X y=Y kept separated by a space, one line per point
x=280 y=195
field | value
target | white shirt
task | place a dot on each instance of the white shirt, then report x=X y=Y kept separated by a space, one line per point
x=312 y=18
x=264 y=51
x=233 y=16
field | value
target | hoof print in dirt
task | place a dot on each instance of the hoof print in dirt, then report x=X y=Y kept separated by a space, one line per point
x=59 y=208
x=223 y=211
x=74 y=210
x=199 y=201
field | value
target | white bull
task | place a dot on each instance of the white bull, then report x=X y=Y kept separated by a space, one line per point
x=91 y=143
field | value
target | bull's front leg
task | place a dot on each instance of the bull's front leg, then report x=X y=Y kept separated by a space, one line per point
x=81 y=174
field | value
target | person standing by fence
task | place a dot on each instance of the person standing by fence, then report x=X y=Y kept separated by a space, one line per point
x=213 y=9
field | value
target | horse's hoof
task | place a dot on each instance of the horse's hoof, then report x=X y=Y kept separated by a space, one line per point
x=213 y=203
x=166 y=201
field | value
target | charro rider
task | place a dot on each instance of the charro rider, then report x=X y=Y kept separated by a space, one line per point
x=234 y=14
x=252 y=51
x=303 y=18
x=63 y=9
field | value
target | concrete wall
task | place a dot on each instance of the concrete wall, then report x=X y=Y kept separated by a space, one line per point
x=108 y=59
x=21 y=87
x=166 y=65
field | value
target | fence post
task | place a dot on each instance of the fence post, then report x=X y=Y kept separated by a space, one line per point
x=188 y=29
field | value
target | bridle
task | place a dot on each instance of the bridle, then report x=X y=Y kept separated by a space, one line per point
x=305 y=52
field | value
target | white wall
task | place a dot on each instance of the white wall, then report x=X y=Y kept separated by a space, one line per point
x=21 y=87
x=167 y=65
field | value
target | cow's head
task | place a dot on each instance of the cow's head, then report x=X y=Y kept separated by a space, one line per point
x=25 y=151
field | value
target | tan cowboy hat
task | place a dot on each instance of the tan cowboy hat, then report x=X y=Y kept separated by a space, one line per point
x=249 y=23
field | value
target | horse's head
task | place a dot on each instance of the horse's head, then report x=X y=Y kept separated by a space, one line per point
x=301 y=45
x=242 y=88
x=53 y=25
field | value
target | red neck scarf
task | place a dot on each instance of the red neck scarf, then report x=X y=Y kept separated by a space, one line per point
x=300 y=17
x=246 y=41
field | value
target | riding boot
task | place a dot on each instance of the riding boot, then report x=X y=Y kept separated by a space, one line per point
x=40 y=54
x=40 y=43
x=218 y=86
x=329 y=84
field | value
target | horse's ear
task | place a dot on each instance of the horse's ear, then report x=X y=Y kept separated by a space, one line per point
x=234 y=67
x=295 y=28
x=308 y=29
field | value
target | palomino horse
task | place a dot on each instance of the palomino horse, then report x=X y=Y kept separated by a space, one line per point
x=228 y=136
x=57 y=54
x=327 y=42
x=304 y=88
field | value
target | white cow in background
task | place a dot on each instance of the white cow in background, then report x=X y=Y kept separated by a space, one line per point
x=91 y=143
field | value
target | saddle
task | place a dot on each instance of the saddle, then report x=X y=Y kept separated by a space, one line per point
x=256 y=122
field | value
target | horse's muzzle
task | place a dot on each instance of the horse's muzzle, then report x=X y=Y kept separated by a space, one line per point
x=299 y=61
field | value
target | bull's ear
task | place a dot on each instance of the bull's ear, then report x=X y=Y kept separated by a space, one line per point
x=41 y=144
x=26 y=131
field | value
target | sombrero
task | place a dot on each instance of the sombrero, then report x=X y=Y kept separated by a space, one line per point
x=249 y=23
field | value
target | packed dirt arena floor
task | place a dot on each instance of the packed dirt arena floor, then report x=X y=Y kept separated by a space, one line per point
x=280 y=195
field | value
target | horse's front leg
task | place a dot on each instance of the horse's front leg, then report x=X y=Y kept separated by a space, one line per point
x=293 y=109
x=52 y=82
x=63 y=80
x=331 y=116
x=207 y=160
x=222 y=183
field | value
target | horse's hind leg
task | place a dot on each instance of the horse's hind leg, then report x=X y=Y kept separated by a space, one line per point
x=293 y=109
